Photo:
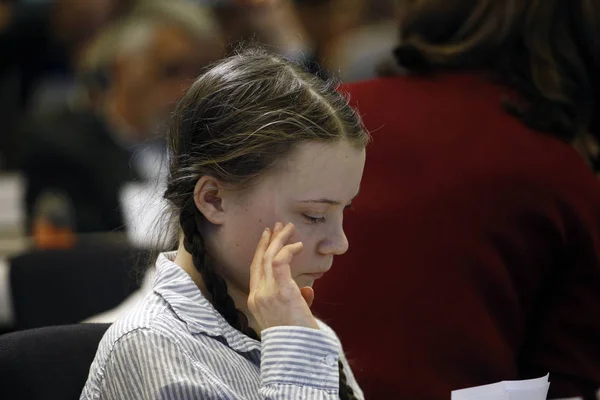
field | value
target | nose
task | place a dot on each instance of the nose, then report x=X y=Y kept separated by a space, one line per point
x=335 y=244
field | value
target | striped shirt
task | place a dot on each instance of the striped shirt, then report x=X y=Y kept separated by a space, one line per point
x=175 y=345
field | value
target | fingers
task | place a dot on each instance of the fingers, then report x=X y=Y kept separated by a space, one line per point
x=281 y=264
x=256 y=268
x=279 y=238
x=275 y=298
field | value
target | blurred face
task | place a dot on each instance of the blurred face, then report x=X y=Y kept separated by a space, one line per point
x=148 y=83
x=310 y=189
x=79 y=21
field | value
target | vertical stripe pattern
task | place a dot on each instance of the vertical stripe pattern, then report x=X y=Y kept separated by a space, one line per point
x=175 y=345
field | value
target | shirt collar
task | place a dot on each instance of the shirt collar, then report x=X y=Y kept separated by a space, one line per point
x=189 y=304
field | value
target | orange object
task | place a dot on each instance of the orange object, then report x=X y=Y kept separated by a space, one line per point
x=46 y=235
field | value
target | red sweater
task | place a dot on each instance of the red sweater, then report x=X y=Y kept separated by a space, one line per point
x=474 y=248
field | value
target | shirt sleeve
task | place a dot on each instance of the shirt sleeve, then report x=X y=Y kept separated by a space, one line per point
x=301 y=363
x=350 y=379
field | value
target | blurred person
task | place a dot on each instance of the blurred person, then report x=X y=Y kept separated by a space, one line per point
x=327 y=22
x=302 y=30
x=275 y=24
x=131 y=77
x=355 y=52
x=40 y=43
x=356 y=55
x=476 y=207
x=264 y=159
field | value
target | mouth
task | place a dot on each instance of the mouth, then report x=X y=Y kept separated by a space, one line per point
x=323 y=268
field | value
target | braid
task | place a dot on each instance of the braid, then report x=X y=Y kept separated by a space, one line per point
x=346 y=392
x=190 y=219
x=217 y=287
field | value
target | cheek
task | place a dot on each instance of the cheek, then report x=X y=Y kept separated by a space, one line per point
x=244 y=232
x=304 y=260
x=247 y=225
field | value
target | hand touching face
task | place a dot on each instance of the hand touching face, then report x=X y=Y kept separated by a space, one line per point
x=310 y=189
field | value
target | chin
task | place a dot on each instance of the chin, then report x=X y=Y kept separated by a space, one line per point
x=304 y=280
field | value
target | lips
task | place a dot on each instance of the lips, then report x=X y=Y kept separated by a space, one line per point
x=320 y=272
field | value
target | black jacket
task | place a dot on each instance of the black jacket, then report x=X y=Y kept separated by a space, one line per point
x=74 y=152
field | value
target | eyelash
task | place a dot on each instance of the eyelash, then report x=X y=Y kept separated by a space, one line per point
x=313 y=220
x=319 y=220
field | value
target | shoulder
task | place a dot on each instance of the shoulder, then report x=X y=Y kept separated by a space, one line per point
x=132 y=328
x=148 y=363
x=143 y=346
x=150 y=354
x=63 y=133
x=452 y=129
x=405 y=86
x=69 y=139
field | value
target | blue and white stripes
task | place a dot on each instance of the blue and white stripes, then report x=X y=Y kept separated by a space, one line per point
x=296 y=356
x=175 y=345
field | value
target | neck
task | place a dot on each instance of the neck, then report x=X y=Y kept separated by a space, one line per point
x=185 y=261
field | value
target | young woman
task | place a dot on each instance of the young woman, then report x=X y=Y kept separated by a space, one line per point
x=264 y=158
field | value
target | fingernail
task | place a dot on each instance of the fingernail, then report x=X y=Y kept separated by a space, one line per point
x=278 y=226
x=266 y=232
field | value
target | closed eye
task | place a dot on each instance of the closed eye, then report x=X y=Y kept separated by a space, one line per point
x=317 y=220
x=313 y=220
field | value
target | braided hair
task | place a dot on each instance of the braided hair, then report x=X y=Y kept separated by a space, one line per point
x=217 y=287
x=234 y=123
x=215 y=284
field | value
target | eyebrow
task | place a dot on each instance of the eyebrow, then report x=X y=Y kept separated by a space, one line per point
x=327 y=201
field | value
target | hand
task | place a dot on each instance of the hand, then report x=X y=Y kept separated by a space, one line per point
x=275 y=299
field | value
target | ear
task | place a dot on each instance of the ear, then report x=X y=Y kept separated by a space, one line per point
x=208 y=197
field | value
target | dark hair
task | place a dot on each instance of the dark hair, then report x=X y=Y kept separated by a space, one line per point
x=237 y=121
x=548 y=50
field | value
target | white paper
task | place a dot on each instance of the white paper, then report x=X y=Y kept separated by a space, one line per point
x=531 y=389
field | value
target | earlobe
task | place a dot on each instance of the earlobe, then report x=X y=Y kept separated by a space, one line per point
x=207 y=197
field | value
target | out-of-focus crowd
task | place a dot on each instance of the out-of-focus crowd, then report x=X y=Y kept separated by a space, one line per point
x=475 y=245
x=86 y=89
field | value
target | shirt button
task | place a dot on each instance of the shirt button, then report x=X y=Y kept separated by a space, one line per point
x=330 y=360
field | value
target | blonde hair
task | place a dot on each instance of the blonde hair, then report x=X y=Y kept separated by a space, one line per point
x=132 y=32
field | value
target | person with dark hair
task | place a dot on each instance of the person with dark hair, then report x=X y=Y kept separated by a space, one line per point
x=475 y=183
x=256 y=142
x=275 y=24
x=130 y=78
x=40 y=43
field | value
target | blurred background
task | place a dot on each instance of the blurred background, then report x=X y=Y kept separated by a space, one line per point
x=86 y=89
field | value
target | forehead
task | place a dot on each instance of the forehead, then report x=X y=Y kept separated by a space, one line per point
x=319 y=170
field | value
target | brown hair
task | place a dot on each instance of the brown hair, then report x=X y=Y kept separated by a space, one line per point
x=237 y=121
x=547 y=50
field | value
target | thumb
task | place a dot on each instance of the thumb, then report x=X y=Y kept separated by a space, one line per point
x=309 y=295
